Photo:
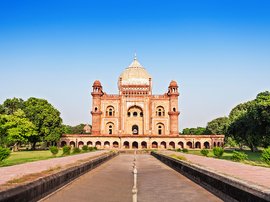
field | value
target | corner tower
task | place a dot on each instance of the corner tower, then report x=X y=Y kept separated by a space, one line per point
x=97 y=93
x=173 y=107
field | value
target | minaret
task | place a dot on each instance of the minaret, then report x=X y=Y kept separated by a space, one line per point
x=173 y=111
x=96 y=105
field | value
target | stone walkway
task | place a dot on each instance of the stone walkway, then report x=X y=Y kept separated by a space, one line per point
x=16 y=171
x=113 y=182
x=251 y=174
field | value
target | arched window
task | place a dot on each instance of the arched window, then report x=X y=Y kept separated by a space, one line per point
x=160 y=111
x=135 y=111
x=110 y=128
x=135 y=130
x=174 y=109
x=160 y=129
x=110 y=111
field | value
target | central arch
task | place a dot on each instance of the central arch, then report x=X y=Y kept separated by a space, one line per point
x=134 y=122
x=135 y=145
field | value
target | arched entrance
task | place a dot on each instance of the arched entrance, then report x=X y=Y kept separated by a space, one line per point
x=154 y=145
x=189 y=145
x=197 y=145
x=172 y=145
x=80 y=145
x=206 y=145
x=126 y=145
x=134 y=145
x=134 y=120
x=63 y=143
x=89 y=144
x=163 y=145
x=72 y=144
x=135 y=129
x=98 y=144
x=107 y=145
x=115 y=144
x=181 y=145
x=144 y=145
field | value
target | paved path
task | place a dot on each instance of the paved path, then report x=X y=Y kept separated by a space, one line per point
x=113 y=181
x=16 y=171
x=252 y=174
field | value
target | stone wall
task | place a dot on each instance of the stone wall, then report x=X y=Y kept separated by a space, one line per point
x=144 y=142
x=40 y=188
x=227 y=188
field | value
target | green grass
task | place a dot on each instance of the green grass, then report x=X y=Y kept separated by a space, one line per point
x=27 y=156
x=254 y=158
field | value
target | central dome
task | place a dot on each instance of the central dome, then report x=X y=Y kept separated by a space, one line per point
x=135 y=74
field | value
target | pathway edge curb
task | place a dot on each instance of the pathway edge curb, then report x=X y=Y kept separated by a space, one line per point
x=42 y=187
x=225 y=187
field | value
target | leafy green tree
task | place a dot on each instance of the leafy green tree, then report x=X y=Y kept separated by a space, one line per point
x=4 y=153
x=2 y=109
x=260 y=117
x=46 y=119
x=78 y=129
x=18 y=129
x=12 y=105
x=195 y=131
x=67 y=129
x=218 y=126
x=250 y=122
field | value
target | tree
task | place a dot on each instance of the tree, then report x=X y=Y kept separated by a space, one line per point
x=3 y=120
x=260 y=117
x=2 y=109
x=18 y=129
x=218 y=125
x=12 y=105
x=78 y=129
x=46 y=119
x=250 y=122
x=195 y=131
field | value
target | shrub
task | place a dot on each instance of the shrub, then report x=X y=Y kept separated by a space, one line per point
x=4 y=153
x=205 y=152
x=85 y=148
x=66 y=150
x=266 y=155
x=238 y=156
x=178 y=150
x=185 y=150
x=91 y=148
x=95 y=148
x=76 y=150
x=54 y=150
x=218 y=151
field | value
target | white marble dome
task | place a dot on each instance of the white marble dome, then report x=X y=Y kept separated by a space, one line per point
x=135 y=74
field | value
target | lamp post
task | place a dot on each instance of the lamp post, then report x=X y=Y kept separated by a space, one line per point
x=135 y=172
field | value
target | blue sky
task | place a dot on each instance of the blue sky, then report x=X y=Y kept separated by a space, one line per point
x=218 y=51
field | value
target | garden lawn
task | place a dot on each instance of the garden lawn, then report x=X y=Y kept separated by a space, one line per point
x=254 y=158
x=27 y=156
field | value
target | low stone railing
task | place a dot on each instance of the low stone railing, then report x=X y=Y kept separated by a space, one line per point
x=227 y=188
x=40 y=188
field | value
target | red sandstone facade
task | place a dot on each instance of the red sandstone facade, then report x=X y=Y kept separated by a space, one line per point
x=135 y=118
